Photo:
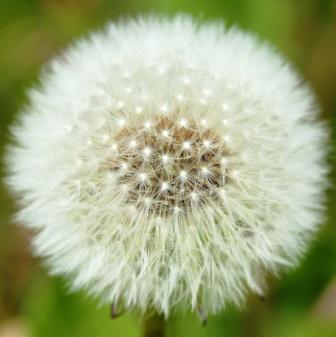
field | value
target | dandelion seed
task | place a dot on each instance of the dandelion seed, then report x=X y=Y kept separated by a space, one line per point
x=126 y=74
x=121 y=122
x=204 y=170
x=164 y=108
x=194 y=196
x=183 y=122
x=186 y=80
x=147 y=151
x=183 y=175
x=225 y=107
x=225 y=122
x=180 y=97
x=186 y=145
x=124 y=166
x=69 y=128
x=133 y=144
x=206 y=92
x=142 y=176
x=114 y=147
x=207 y=144
x=148 y=201
x=147 y=124
x=224 y=161
x=120 y=105
x=165 y=133
x=165 y=158
x=164 y=186
x=105 y=138
x=138 y=109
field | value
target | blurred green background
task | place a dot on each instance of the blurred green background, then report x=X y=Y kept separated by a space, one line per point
x=32 y=304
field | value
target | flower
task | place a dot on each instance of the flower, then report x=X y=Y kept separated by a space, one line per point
x=166 y=164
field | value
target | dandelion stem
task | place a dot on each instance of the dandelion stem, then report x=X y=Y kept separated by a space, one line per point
x=154 y=326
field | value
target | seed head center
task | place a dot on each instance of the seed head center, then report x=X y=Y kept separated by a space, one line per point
x=170 y=165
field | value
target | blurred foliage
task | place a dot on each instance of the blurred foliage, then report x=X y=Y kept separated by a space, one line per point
x=302 y=303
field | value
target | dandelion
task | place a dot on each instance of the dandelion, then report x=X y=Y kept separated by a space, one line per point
x=197 y=182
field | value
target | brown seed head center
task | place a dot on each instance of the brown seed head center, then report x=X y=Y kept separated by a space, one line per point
x=169 y=165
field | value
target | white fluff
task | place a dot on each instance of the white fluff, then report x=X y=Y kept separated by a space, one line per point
x=93 y=224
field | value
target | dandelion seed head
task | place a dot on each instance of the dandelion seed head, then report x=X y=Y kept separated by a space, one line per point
x=185 y=175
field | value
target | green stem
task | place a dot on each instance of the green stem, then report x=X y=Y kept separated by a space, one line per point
x=154 y=326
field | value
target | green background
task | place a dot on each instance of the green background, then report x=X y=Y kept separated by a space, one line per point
x=32 y=304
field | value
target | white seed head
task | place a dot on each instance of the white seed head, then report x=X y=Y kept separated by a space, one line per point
x=200 y=180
